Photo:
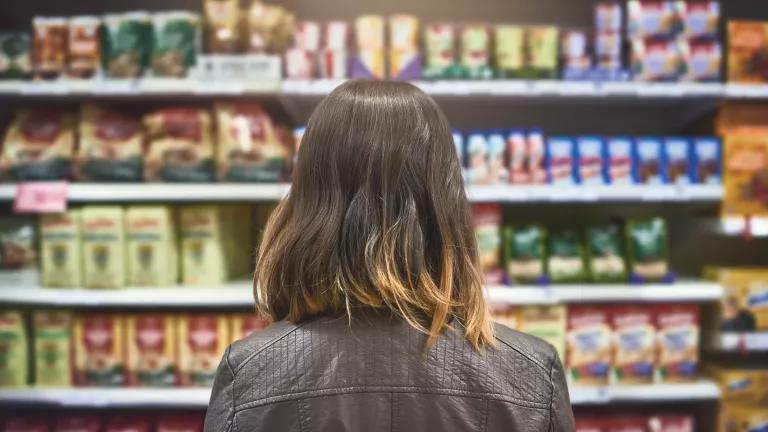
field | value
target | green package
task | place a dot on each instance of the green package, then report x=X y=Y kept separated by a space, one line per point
x=13 y=350
x=53 y=348
x=605 y=256
x=15 y=55
x=647 y=248
x=524 y=257
x=125 y=44
x=509 y=50
x=567 y=257
x=175 y=43
x=542 y=51
x=476 y=52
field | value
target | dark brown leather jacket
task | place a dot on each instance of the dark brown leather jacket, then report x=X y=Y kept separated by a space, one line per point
x=373 y=375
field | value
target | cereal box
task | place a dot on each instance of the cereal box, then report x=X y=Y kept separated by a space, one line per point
x=560 y=160
x=175 y=42
x=677 y=342
x=590 y=161
x=547 y=323
x=747 y=42
x=657 y=59
x=679 y=167
x=103 y=247
x=15 y=62
x=152 y=251
x=617 y=160
x=202 y=340
x=741 y=384
x=404 y=59
x=60 y=256
x=542 y=51
x=701 y=19
x=588 y=345
x=370 y=59
x=246 y=323
x=524 y=256
x=52 y=347
x=650 y=163
x=703 y=59
x=744 y=307
x=125 y=44
x=49 y=46
x=736 y=417
x=609 y=16
x=487 y=222
x=707 y=160
x=13 y=350
x=180 y=145
x=634 y=345
x=151 y=349
x=84 y=54
x=99 y=349
x=203 y=253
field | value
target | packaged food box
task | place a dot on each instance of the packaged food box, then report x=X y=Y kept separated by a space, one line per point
x=741 y=385
x=703 y=59
x=650 y=162
x=180 y=422
x=560 y=160
x=524 y=254
x=497 y=147
x=477 y=155
x=103 y=247
x=679 y=160
x=747 y=43
x=60 y=249
x=111 y=146
x=567 y=257
x=39 y=145
x=439 y=50
x=13 y=350
x=152 y=246
x=180 y=146
x=99 y=349
x=701 y=18
x=369 y=59
x=677 y=342
x=269 y=28
x=741 y=417
x=608 y=50
x=202 y=341
x=609 y=16
x=458 y=142
x=203 y=252
x=537 y=172
x=26 y=423
x=508 y=316
x=18 y=247
x=404 y=57
x=249 y=147
x=333 y=63
x=654 y=18
x=606 y=257
x=475 y=55
x=15 y=59
x=151 y=349
x=509 y=50
x=83 y=51
x=576 y=59
x=671 y=423
x=590 y=160
x=634 y=344
x=125 y=43
x=175 y=43
x=588 y=345
x=487 y=222
x=300 y=64
x=336 y=35
x=647 y=249
x=547 y=323
x=77 y=422
x=542 y=45
x=618 y=160
x=128 y=422
x=52 y=348
x=707 y=160
x=49 y=46
x=244 y=324
x=224 y=33
x=744 y=307
x=657 y=60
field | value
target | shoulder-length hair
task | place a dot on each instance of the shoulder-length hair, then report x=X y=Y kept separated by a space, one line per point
x=377 y=217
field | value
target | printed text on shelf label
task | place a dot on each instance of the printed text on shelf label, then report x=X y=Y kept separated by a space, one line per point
x=41 y=197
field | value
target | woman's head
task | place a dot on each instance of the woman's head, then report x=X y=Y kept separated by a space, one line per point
x=377 y=217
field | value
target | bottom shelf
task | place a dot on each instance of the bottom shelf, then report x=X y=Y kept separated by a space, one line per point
x=198 y=397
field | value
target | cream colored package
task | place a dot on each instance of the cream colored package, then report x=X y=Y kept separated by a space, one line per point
x=99 y=340
x=13 y=350
x=203 y=253
x=151 y=349
x=52 y=348
x=243 y=324
x=547 y=323
x=202 y=340
x=507 y=315
x=103 y=247
x=60 y=245
x=152 y=257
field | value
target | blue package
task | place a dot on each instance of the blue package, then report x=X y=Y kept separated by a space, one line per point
x=618 y=160
x=707 y=160
x=590 y=160
x=476 y=158
x=650 y=164
x=497 y=147
x=678 y=158
x=560 y=160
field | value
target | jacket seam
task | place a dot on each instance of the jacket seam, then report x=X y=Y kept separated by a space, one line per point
x=486 y=413
x=266 y=345
x=523 y=353
x=298 y=415
x=231 y=416
x=392 y=411
x=554 y=390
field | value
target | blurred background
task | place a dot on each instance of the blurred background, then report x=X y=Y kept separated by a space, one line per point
x=616 y=154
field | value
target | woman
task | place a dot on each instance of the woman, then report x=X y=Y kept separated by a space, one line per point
x=369 y=270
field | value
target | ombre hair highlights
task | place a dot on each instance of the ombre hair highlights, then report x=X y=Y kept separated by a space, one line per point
x=377 y=217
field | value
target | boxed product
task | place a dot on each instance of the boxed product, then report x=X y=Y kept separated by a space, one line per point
x=52 y=348
x=404 y=58
x=77 y=422
x=202 y=340
x=736 y=417
x=60 y=244
x=83 y=51
x=606 y=258
x=609 y=16
x=249 y=147
x=659 y=59
x=650 y=161
x=152 y=246
x=15 y=61
x=679 y=166
x=13 y=350
x=575 y=54
x=702 y=60
x=369 y=59
x=334 y=61
x=243 y=324
x=26 y=423
x=547 y=323
x=39 y=145
x=671 y=423
x=497 y=146
x=224 y=29
x=537 y=172
x=18 y=245
x=270 y=28
x=99 y=341
x=125 y=43
x=175 y=43
x=509 y=50
x=299 y=63
x=151 y=349
x=654 y=18
x=103 y=247
x=634 y=344
x=203 y=253
x=567 y=261
x=111 y=146
x=49 y=46
x=590 y=161
x=588 y=345
x=542 y=43
x=439 y=50
x=524 y=254
x=701 y=18
x=707 y=160
x=487 y=222
x=747 y=44
x=458 y=142
x=647 y=249
x=744 y=307
x=617 y=160
x=741 y=385
x=477 y=156
x=124 y=422
x=180 y=422
x=609 y=56
x=508 y=316
x=677 y=342
x=180 y=146
x=560 y=160
x=475 y=54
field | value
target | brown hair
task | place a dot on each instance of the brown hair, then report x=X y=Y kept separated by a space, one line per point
x=377 y=216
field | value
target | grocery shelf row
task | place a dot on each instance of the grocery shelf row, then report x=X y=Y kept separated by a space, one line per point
x=742 y=342
x=198 y=397
x=215 y=192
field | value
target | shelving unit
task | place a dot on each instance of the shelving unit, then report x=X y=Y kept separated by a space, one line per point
x=742 y=342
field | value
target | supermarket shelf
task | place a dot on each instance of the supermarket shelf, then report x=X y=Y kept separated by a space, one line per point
x=742 y=342
x=593 y=193
x=198 y=397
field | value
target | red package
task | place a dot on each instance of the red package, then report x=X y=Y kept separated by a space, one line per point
x=517 y=150
x=588 y=345
x=135 y=422
x=589 y=424
x=671 y=423
x=180 y=422
x=77 y=422
x=634 y=344
x=27 y=424
x=677 y=342
x=628 y=424
x=487 y=221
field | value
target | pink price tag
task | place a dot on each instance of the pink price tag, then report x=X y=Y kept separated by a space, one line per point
x=41 y=197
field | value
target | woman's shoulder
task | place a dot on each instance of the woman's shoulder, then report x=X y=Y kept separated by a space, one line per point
x=245 y=349
x=536 y=350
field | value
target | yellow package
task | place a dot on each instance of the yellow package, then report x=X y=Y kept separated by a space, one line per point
x=151 y=350
x=99 y=340
x=244 y=324
x=52 y=348
x=736 y=417
x=369 y=34
x=745 y=304
x=202 y=340
x=203 y=245
x=152 y=240
x=508 y=316
x=547 y=323
x=60 y=257
x=39 y=145
x=13 y=350
x=103 y=247
x=741 y=385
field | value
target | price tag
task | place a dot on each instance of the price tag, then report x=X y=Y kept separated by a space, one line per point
x=41 y=197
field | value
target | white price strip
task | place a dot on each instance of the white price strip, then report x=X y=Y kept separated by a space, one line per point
x=44 y=88
x=114 y=86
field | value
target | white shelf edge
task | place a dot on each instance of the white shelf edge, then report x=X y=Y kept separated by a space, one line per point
x=700 y=390
x=742 y=342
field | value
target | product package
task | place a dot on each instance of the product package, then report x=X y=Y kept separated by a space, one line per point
x=606 y=257
x=39 y=145
x=180 y=146
x=703 y=59
x=707 y=160
x=575 y=55
x=175 y=43
x=744 y=307
x=617 y=160
x=487 y=222
x=103 y=247
x=439 y=50
x=52 y=348
x=588 y=345
x=224 y=26
x=654 y=18
x=747 y=44
x=609 y=16
x=742 y=417
x=49 y=46
x=125 y=44
x=202 y=341
x=477 y=155
x=404 y=56
x=13 y=350
x=659 y=60
x=334 y=56
x=567 y=258
x=508 y=316
x=590 y=160
x=560 y=161
x=151 y=349
x=678 y=158
x=648 y=250
x=700 y=18
x=60 y=253
x=18 y=246
x=634 y=345
x=15 y=57
x=677 y=337
x=244 y=324
x=741 y=385
x=152 y=255
x=547 y=323
x=301 y=60
x=509 y=50
x=518 y=156
x=111 y=146
x=650 y=161
x=524 y=254
x=537 y=172
x=497 y=146
x=542 y=44
x=77 y=422
x=84 y=53
x=180 y=422
x=270 y=28
x=99 y=340
x=475 y=51
x=369 y=61
x=128 y=422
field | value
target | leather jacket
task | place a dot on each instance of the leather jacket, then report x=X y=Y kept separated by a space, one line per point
x=373 y=374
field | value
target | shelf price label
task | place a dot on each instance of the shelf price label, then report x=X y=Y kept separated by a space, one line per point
x=41 y=197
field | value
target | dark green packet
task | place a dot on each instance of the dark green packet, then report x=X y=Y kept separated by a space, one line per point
x=648 y=250
x=567 y=261
x=524 y=254
x=606 y=260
